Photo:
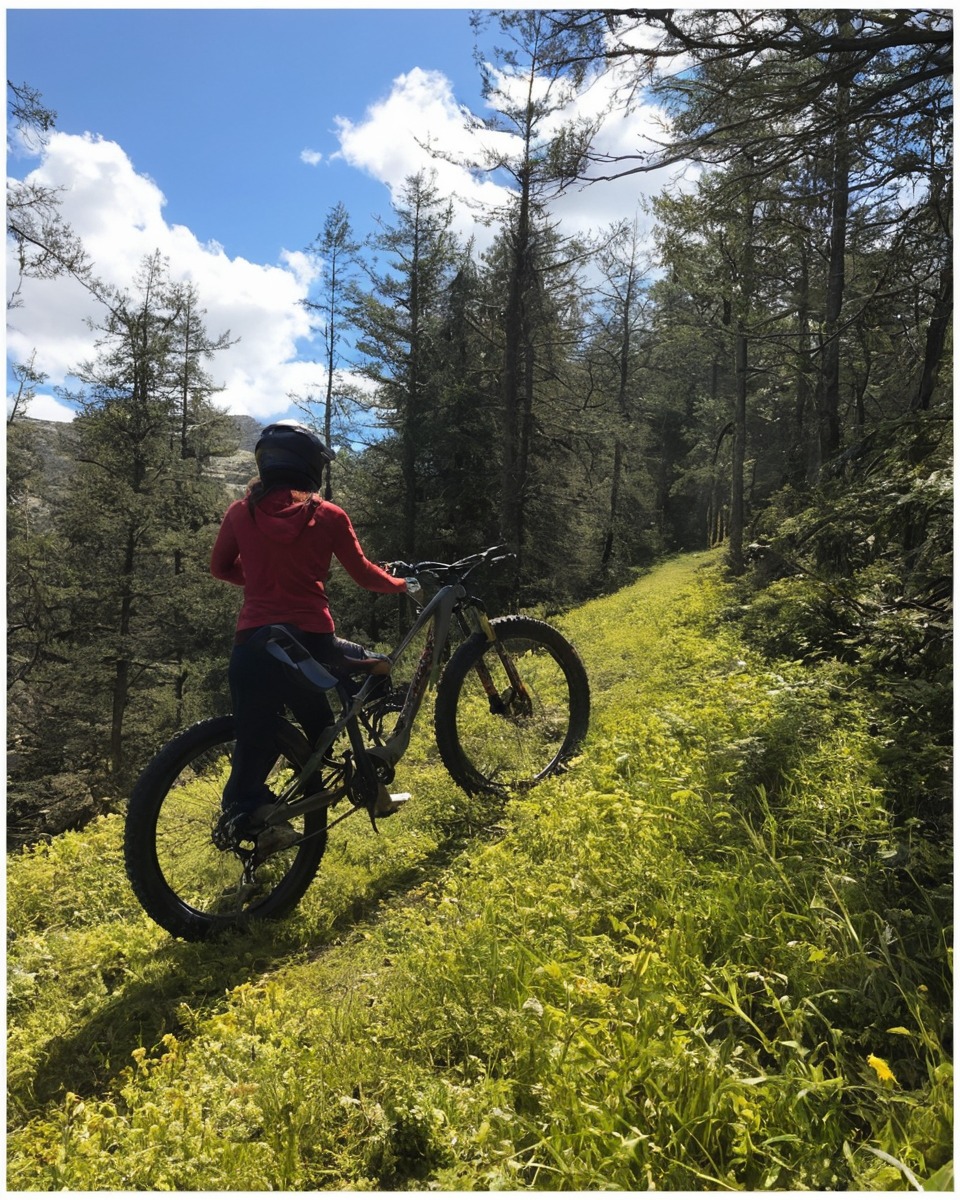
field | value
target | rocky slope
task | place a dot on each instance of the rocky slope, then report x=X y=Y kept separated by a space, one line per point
x=55 y=444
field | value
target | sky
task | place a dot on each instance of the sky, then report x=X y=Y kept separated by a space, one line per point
x=223 y=137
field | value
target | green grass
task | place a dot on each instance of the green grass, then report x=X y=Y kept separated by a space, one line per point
x=701 y=960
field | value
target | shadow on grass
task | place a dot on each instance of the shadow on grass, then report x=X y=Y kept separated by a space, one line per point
x=195 y=976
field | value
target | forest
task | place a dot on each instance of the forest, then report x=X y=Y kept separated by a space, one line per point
x=768 y=372
x=715 y=953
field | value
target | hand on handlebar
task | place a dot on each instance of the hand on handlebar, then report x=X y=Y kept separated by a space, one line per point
x=408 y=573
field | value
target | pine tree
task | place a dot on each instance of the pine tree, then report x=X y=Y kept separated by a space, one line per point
x=398 y=325
x=526 y=88
x=618 y=355
x=44 y=244
x=336 y=252
x=136 y=521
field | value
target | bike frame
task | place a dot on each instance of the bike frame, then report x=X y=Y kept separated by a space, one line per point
x=438 y=613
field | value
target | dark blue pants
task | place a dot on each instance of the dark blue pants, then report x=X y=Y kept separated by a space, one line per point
x=260 y=689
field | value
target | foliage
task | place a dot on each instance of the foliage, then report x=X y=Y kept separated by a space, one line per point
x=44 y=244
x=335 y=254
x=401 y=353
x=706 y=958
x=590 y=407
x=863 y=575
x=117 y=617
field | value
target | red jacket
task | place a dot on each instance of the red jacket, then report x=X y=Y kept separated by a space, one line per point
x=280 y=555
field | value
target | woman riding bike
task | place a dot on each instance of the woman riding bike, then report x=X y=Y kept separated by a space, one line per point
x=277 y=544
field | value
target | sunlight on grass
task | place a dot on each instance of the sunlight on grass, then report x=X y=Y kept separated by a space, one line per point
x=687 y=964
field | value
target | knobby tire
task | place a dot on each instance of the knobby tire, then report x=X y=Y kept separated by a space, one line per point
x=527 y=738
x=183 y=882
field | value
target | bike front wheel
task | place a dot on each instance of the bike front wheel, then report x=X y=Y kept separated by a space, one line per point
x=187 y=885
x=511 y=712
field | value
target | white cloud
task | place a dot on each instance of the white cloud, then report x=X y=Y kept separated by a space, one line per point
x=45 y=408
x=305 y=267
x=311 y=157
x=118 y=214
x=390 y=142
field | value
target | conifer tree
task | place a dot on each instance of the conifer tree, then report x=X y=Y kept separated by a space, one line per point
x=45 y=245
x=397 y=321
x=618 y=354
x=137 y=517
x=336 y=252
x=527 y=88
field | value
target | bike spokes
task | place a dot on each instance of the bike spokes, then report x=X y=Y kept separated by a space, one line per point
x=515 y=732
x=202 y=876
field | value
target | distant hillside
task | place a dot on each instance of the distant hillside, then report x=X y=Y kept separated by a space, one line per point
x=55 y=443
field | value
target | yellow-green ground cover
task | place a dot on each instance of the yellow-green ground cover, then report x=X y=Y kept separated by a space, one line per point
x=700 y=960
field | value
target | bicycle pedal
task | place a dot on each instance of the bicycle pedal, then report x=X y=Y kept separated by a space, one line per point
x=385 y=805
x=390 y=802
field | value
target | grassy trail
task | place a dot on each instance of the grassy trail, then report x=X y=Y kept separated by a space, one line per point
x=700 y=960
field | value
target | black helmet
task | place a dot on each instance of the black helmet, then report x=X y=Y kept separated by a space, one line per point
x=291 y=453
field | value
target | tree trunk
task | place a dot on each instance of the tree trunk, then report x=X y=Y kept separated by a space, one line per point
x=626 y=342
x=742 y=307
x=121 y=679
x=510 y=384
x=829 y=384
x=328 y=400
x=798 y=468
x=615 y=483
x=412 y=417
x=185 y=396
x=739 y=453
x=936 y=339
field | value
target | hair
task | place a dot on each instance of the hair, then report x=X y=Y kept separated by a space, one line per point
x=257 y=489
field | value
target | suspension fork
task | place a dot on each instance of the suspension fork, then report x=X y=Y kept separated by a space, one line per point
x=518 y=688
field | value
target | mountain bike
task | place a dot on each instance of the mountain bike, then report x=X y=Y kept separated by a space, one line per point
x=512 y=708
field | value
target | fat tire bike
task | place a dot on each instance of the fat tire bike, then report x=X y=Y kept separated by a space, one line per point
x=512 y=708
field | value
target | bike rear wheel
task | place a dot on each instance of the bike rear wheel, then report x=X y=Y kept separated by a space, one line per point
x=512 y=712
x=188 y=886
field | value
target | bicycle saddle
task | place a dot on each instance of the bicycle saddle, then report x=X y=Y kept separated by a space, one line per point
x=280 y=643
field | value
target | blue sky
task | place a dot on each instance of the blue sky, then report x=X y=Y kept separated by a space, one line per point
x=223 y=137
x=217 y=105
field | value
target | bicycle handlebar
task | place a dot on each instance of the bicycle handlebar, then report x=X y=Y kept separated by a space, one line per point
x=463 y=567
